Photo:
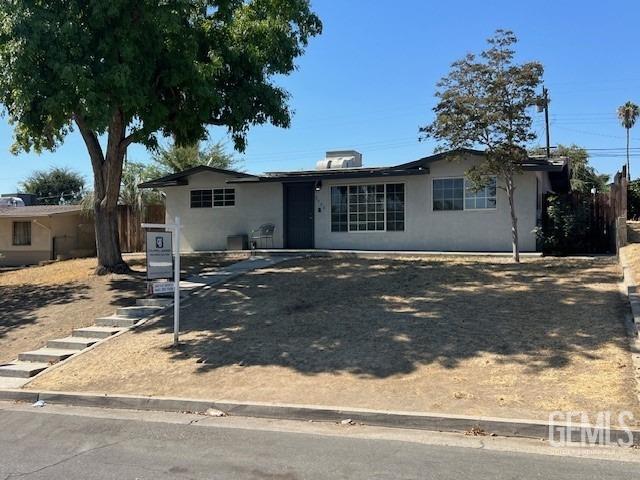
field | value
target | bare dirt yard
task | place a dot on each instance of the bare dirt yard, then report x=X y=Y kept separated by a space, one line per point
x=45 y=302
x=478 y=336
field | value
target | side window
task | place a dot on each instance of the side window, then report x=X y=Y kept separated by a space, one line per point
x=224 y=197
x=201 y=199
x=448 y=194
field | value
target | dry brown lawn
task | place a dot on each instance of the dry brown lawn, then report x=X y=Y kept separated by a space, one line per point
x=478 y=336
x=45 y=302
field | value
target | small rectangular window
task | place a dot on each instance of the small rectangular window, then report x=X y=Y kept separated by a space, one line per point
x=224 y=197
x=21 y=233
x=201 y=199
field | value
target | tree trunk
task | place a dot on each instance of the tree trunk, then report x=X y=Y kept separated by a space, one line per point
x=628 y=165
x=514 y=220
x=107 y=175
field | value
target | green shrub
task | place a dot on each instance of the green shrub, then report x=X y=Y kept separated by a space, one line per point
x=633 y=200
x=567 y=229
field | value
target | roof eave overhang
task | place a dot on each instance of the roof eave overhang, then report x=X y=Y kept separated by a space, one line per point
x=170 y=183
x=330 y=176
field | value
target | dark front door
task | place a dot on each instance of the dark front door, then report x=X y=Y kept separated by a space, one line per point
x=298 y=214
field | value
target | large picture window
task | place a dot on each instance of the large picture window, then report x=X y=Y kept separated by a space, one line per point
x=22 y=233
x=224 y=197
x=457 y=194
x=201 y=199
x=367 y=208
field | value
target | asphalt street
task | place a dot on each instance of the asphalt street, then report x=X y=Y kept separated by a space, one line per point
x=60 y=444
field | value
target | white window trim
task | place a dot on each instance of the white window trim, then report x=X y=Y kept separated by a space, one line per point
x=404 y=207
x=464 y=196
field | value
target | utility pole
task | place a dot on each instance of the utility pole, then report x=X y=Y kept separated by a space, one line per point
x=545 y=96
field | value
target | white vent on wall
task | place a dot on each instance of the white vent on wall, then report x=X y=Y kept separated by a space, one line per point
x=340 y=159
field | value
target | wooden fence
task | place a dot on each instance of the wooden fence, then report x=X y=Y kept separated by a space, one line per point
x=129 y=229
x=605 y=231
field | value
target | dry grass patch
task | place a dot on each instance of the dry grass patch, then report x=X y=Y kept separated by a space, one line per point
x=458 y=335
x=44 y=302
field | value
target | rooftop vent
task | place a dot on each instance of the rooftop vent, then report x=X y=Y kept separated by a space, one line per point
x=340 y=159
x=11 y=202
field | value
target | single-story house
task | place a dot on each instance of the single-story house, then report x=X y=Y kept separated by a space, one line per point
x=32 y=234
x=421 y=205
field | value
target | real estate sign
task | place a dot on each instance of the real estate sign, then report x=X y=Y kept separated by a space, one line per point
x=159 y=255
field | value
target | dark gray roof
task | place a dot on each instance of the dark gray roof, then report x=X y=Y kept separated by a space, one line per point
x=38 y=210
x=417 y=167
x=180 y=178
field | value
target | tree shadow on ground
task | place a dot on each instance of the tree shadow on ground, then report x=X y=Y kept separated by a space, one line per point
x=22 y=305
x=378 y=318
x=19 y=303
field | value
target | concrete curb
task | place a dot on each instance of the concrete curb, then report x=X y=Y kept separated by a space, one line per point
x=381 y=418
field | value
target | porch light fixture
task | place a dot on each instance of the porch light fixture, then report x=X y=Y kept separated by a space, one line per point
x=318 y=185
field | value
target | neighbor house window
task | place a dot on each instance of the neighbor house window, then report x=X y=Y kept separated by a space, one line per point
x=457 y=194
x=22 y=233
x=224 y=197
x=367 y=208
x=201 y=199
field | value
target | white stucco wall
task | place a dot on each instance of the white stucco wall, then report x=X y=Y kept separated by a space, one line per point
x=208 y=228
x=425 y=229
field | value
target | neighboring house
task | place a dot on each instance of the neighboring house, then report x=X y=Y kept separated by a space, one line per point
x=421 y=205
x=31 y=234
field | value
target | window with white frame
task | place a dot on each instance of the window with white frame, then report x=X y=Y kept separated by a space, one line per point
x=224 y=197
x=367 y=208
x=458 y=194
x=482 y=198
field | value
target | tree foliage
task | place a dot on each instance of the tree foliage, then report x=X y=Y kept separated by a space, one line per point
x=131 y=71
x=584 y=177
x=176 y=158
x=484 y=103
x=55 y=186
x=628 y=114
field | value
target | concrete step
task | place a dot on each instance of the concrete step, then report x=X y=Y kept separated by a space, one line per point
x=137 y=312
x=22 y=369
x=154 y=302
x=116 y=321
x=50 y=355
x=72 y=343
x=95 y=332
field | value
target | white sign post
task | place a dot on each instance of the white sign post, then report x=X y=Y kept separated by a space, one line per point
x=159 y=264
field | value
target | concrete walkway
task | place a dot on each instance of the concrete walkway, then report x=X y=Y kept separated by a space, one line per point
x=222 y=275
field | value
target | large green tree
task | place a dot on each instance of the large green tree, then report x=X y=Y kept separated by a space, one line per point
x=126 y=71
x=54 y=186
x=485 y=102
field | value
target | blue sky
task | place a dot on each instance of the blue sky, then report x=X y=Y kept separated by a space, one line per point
x=368 y=82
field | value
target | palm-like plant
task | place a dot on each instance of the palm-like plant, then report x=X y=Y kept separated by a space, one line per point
x=628 y=114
